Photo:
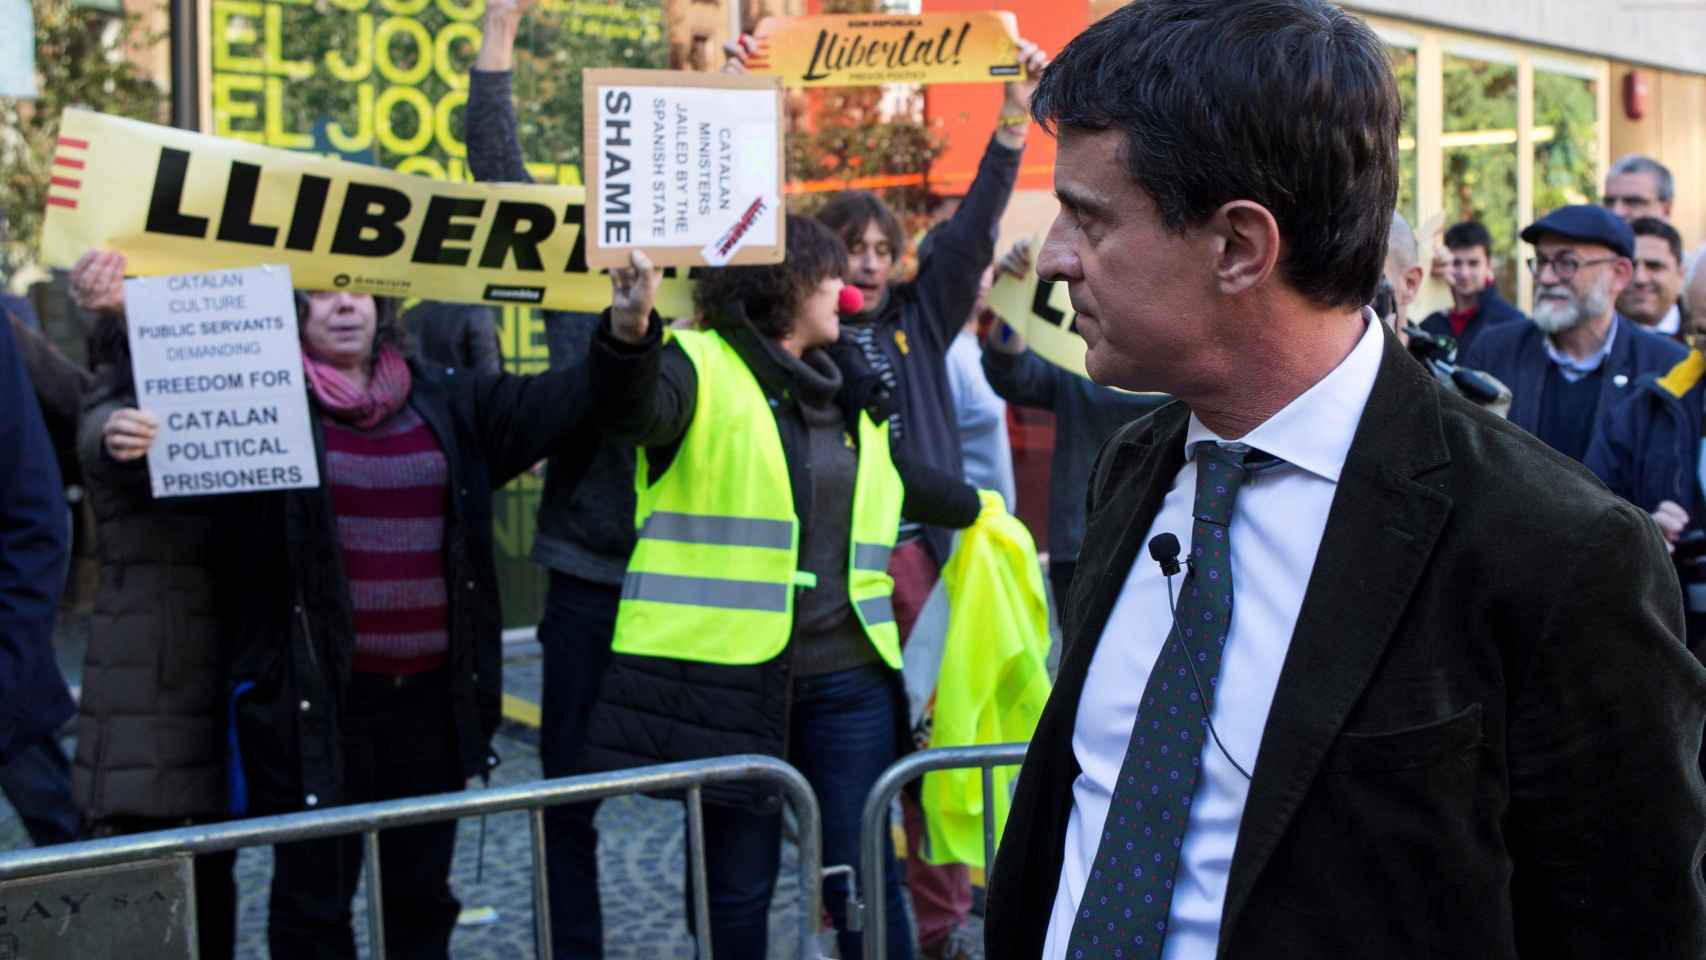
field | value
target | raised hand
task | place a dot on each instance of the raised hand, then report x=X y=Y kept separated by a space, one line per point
x=1018 y=92
x=633 y=291
x=739 y=51
x=1016 y=262
x=97 y=281
x=497 y=44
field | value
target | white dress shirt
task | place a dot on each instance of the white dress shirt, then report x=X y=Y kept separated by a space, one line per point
x=1276 y=528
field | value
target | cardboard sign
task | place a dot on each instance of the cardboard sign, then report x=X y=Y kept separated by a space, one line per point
x=862 y=49
x=176 y=202
x=685 y=166
x=217 y=359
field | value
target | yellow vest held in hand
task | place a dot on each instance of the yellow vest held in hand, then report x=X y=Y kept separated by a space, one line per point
x=713 y=575
x=994 y=676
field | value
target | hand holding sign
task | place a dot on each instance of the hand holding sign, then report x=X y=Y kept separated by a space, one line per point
x=633 y=290
x=129 y=433
x=1018 y=92
x=97 y=281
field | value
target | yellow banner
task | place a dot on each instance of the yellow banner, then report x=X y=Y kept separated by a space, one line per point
x=179 y=202
x=845 y=50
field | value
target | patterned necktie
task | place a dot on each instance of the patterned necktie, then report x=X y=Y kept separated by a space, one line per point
x=1123 y=912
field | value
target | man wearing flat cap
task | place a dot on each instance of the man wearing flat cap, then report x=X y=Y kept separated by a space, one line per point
x=1578 y=359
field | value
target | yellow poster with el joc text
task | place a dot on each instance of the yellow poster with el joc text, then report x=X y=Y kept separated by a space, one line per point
x=179 y=202
x=843 y=50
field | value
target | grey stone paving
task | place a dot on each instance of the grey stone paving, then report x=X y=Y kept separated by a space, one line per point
x=642 y=849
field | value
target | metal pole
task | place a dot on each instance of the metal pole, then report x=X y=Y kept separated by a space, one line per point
x=808 y=822
x=541 y=886
x=874 y=822
x=375 y=898
x=988 y=823
x=186 y=65
x=696 y=863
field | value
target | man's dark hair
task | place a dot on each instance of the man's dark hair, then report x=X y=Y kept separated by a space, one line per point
x=770 y=294
x=1287 y=103
x=849 y=212
x=1469 y=233
x=1654 y=227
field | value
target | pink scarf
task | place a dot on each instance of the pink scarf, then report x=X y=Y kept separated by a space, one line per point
x=387 y=389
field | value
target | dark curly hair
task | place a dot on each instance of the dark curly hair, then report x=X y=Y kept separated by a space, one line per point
x=772 y=294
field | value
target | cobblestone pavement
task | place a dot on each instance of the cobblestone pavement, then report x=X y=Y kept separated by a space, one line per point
x=641 y=852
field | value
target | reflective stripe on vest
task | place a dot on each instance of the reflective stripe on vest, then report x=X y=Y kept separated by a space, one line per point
x=713 y=574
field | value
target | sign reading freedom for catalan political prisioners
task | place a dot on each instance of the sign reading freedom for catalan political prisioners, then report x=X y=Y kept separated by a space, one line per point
x=173 y=201
x=869 y=48
x=218 y=362
x=685 y=166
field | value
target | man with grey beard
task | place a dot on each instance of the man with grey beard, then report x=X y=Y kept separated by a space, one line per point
x=1569 y=368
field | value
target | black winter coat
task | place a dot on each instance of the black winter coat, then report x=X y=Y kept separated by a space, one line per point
x=151 y=720
x=658 y=710
x=295 y=637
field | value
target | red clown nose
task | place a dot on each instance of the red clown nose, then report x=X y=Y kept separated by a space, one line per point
x=852 y=301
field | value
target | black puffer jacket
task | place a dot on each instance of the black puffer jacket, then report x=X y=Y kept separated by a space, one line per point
x=295 y=636
x=151 y=720
x=658 y=710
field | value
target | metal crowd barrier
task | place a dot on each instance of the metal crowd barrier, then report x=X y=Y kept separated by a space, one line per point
x=876 y=825
x=170 y=848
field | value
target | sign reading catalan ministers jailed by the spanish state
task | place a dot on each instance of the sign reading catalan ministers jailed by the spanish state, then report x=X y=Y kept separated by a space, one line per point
x=218 y=362
x=685 y=166
x=175 y=202
x=841 y=50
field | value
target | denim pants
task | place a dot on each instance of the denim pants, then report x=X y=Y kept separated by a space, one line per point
x=575 y=632
x=842 y=737
x=37 y=782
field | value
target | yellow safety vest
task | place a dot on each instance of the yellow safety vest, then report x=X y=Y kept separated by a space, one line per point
x=713 y=575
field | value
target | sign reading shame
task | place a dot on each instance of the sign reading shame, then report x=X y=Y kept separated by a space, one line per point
x=218 y=362
x=685 y=166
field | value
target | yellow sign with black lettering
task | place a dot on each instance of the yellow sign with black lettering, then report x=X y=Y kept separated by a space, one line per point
x=179 y=202
x=843 y=50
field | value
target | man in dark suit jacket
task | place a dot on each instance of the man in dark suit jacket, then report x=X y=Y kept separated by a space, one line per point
x=1570 y=367
x=1450 y=713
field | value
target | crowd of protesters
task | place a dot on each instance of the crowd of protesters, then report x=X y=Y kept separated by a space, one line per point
x=276 y=652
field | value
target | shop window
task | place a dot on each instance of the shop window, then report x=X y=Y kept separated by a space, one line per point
x=1566 y=140
x=1478 y=144
x=1404 y=68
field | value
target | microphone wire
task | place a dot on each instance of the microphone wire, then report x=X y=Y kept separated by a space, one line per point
x=1202 y=698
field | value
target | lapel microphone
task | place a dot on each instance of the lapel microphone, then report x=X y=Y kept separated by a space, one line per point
x=1164 y=550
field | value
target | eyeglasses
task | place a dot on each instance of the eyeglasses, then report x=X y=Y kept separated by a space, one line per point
x=1564 y=268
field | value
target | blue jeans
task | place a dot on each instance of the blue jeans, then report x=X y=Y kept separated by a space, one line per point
x=37 y=782
x=843 y=736
x=575 y=632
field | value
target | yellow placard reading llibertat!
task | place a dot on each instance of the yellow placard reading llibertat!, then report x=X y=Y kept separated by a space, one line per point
x=178 y=202
x=869 y=48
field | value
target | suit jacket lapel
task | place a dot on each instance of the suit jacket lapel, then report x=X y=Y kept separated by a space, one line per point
x=1380 y=532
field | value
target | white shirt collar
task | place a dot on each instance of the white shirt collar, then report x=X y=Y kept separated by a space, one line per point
x=1314 y=431
x=1671 y=323
x=1574 y=369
